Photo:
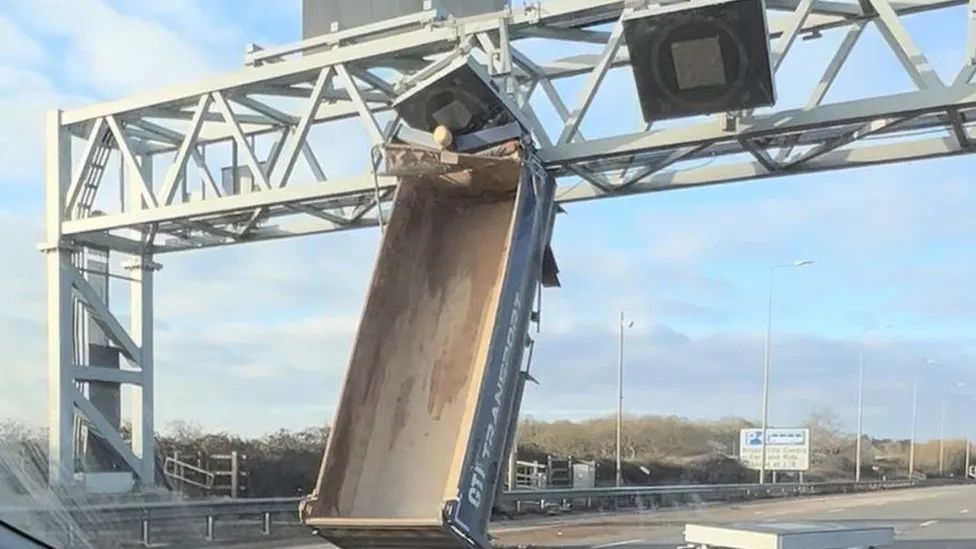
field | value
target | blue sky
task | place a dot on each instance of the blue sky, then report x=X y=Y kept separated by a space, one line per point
x=892 y=244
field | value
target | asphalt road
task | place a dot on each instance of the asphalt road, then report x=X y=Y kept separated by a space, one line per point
x=925 y=518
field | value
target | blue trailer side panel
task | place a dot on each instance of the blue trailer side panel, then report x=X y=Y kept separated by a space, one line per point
x=468 y=516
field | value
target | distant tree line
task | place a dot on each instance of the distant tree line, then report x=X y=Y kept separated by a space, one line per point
x=657 y=449
x=683 y=449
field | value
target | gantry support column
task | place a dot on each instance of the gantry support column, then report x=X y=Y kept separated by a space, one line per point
x=141 y=401
x=60 y=336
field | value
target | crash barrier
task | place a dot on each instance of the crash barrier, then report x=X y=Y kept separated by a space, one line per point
x=664 y=496
x=145 y=522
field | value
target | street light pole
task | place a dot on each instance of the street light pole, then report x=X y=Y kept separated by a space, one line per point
x=860 y=402
x=911 y=448
x=620 y=396
x=942 y=439
x=968 y=450
x=766 y=362
x=765 y=400
x=860 y=417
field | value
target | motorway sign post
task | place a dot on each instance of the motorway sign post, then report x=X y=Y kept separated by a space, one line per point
x=786 y=449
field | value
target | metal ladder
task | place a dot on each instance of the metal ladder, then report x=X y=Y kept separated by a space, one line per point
x=92 y=175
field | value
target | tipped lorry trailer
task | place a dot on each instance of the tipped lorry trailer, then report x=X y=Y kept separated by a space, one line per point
x=428 y=406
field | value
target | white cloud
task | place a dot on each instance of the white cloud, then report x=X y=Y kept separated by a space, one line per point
x=230 y=375
x=114 y=52
x=886 y=208
x=17 y=48
x=61 y=46
x=25 y=95
x=119 y=54
x=670 y=372
x=125 y=55
x=23 y=393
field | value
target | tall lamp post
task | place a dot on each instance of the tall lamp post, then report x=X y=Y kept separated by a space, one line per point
x=942 y=426
x=911 y=448
x=969 y=448
x=942 y=439
x=860 y=402
x=769 y=330
x=620 y=393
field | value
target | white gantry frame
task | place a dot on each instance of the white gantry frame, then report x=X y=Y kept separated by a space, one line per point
x=160 y=143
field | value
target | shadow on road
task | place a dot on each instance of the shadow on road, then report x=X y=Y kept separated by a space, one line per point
x=936 y=544
x=906 y=544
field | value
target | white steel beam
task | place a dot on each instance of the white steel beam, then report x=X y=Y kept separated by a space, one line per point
x=178 y=168
x=836 y=63
x=134 y=170
x=297 y=138
x=728 y=173
x=275 y=153
x=106 y=375
x=376 y=82
x=313 y=162
x=258 y=121
x=302 y=93
x=217 y=131
x=592 y=85
x=111 y=242
x=106 y=431
x=564 y=115
x=785 y=41
x=257 y=172
x=100 y=313
x=901 y=43
x=862 y=110
x=569 y=34
x=365 y=114
x=60 y=340
x=278 y=116
x=205 y=174
x=291 y=228
x=142 y=404
x=176 y=138
x=627 y=179
x=303 y=208
x=969 y=65
x=826 y=7
x=534 y=124
x=959 y=129
x=827 y=79
x=759 y=154
x=208 y=228
x=228 y=204
x=871 y=128
x=575 y=65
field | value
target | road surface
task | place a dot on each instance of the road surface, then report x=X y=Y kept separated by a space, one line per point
x=924 y=518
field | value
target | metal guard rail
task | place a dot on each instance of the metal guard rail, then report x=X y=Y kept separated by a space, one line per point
x=700 y=489
x=145 y=517
x=123 y=512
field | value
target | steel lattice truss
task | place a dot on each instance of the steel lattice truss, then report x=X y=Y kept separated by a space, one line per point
x=157 y=159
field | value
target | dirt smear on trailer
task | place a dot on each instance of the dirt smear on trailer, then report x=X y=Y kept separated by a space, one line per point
x=420 y=349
